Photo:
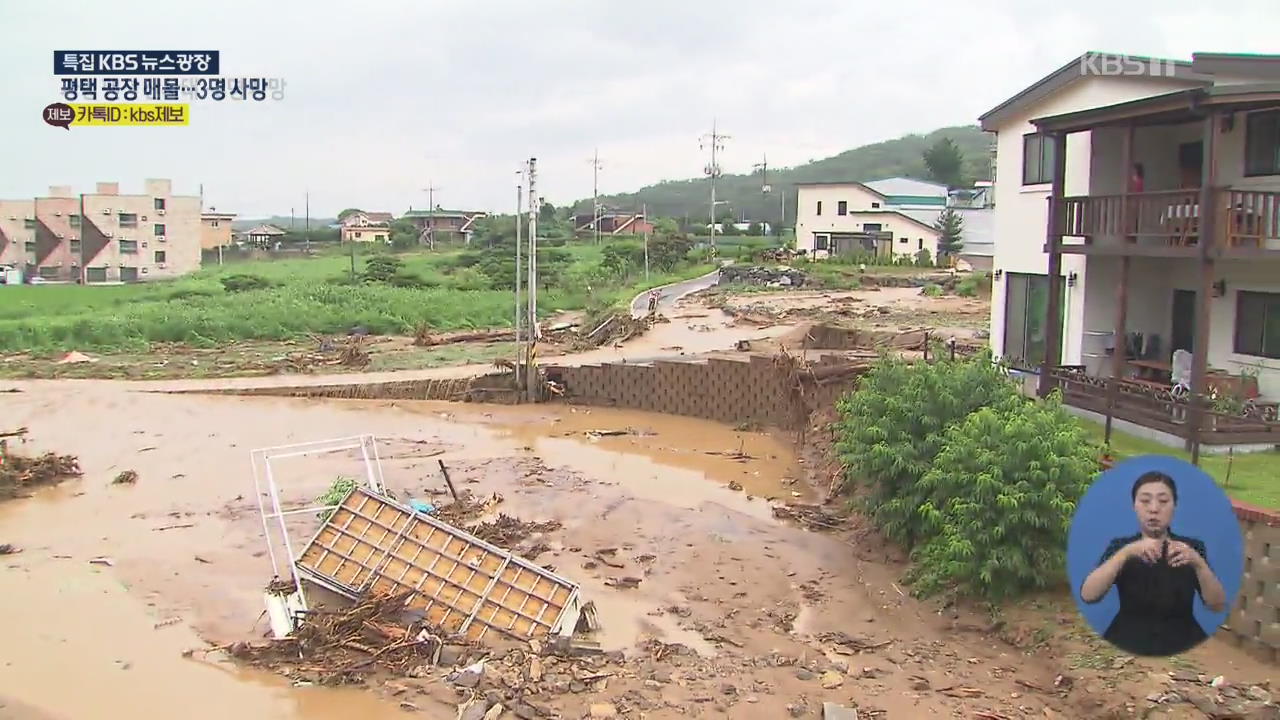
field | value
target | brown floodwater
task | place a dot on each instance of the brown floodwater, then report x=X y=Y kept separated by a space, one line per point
x=187 y=554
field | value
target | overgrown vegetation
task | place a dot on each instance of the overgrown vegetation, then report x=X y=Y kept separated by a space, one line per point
x=338 y=490
x=953 y=463
x=285 y=299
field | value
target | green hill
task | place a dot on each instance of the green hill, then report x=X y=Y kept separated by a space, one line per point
x=891 y=158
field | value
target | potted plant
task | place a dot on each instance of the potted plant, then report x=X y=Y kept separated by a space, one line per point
x=1107 y=460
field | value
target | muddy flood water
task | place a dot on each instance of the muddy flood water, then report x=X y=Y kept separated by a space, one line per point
x=185 y=555
x=122 y=593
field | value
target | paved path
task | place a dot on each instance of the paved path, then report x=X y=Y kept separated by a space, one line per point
x=669 y=295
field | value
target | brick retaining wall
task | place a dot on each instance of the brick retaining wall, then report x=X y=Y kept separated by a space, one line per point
x=1254 y=622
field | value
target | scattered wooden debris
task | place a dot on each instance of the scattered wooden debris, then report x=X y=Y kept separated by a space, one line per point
x=812 y=517
x=126 y=477
x=19 y=472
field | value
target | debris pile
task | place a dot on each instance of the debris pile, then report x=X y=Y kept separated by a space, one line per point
x=781 y=276
x=353 y=351
x=504 y=530
x=19 y=472
x=344 y=646
x=612 y=329
x=812 y=517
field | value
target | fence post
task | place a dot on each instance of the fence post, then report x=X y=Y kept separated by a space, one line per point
x=952 y=344
x=926 y=346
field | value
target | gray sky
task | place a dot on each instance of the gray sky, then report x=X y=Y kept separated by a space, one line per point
x=383 y=96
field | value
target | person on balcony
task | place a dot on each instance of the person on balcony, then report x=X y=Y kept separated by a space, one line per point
x=1157 y=573
x=1137 y=178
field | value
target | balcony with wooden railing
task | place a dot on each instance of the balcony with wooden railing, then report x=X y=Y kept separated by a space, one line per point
x=1167 y=223
x=1253 y=422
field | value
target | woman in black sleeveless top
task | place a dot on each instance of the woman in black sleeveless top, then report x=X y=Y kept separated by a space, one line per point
x=1157 y=574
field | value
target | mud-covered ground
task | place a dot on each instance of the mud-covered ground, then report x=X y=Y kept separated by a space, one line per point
x=738 y=614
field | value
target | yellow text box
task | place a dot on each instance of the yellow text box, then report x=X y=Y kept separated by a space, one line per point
x=131 y=114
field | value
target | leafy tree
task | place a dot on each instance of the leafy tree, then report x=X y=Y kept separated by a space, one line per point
x=998 y=499
x=668 y=252
x=381 y=268
x=951 y=226
x=666 y=226
x=893 y=425
x=620 y=258
x=404 y=234
x=349 y=211
x=945 y=163
x=547 y=213
x=755 y=229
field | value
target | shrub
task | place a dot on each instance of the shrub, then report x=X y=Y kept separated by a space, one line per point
x=891 y=428
x=968 y=287
x=924 y=259
x=242 y=283
x=469 y=278
x=931 y=290
x=382 y=268
x=998 y=500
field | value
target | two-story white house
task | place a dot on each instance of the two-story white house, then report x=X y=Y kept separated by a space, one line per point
x=1137 y=242
x=892 y=218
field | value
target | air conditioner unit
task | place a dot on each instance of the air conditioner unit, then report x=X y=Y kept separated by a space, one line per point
x=144 y=243
x=161 y=238
x=159 y=265
x=159 y=212
x=106 y=211
x=58 y=214
x=107 y=234
x=59 y=235
x=144 y=218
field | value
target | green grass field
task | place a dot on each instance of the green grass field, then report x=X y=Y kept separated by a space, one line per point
x=198 y=311
x=1249 y=477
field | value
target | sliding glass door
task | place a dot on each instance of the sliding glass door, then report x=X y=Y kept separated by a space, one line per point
x=1026 y=305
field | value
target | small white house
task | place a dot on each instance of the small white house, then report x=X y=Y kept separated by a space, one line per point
x=847 y=217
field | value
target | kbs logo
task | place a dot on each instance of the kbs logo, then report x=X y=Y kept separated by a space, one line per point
x=1102 y=64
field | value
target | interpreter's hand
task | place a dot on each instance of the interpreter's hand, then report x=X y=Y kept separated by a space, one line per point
x=1146 y=549
x=1181 y=554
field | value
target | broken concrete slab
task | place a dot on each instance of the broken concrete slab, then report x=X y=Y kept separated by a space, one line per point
x=832 y=711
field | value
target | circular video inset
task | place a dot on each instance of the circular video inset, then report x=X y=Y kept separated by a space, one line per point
x=1155 y=556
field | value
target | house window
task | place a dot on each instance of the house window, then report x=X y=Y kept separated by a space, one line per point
x=128 y=247
x=75 y=247
x=920 y=243
x=819 y=207
x=1258 y=324
x=157 y=230
x=875 y=205
x=159 y=203
x=95 y=274
x=1037 y=159
x=1026 y=304
x=128 y=220
x=904 y=240
x=1262 y=143
x=821 y=242
x=213 y=223
x=842 y=207
x=74 y=220
x=30 y=223
x=129 y=274
x=159 y=256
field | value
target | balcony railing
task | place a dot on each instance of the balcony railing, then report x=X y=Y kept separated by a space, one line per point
x=1163 y=410
x=1171 y=218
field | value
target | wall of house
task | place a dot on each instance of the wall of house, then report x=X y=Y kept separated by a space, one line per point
x=1021 y=212
x=365 y=233
x=808 y=221
x=54 y=235
x=13 y=217
x=182 y=238
x=1151 y=285
x=915 y=234
x=215 y=232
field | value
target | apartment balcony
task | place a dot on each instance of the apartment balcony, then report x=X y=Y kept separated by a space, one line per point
x=1166 y=223
x=1254 y=421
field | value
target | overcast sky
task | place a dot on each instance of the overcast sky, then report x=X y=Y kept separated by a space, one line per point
x=384 y=97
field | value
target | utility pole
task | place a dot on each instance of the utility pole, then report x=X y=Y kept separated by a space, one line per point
x=595 y=194
x=716 y=142
x=765 y=188
x=531 y=372
x=645 y=214
x=431 y=189
x=519 y=309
